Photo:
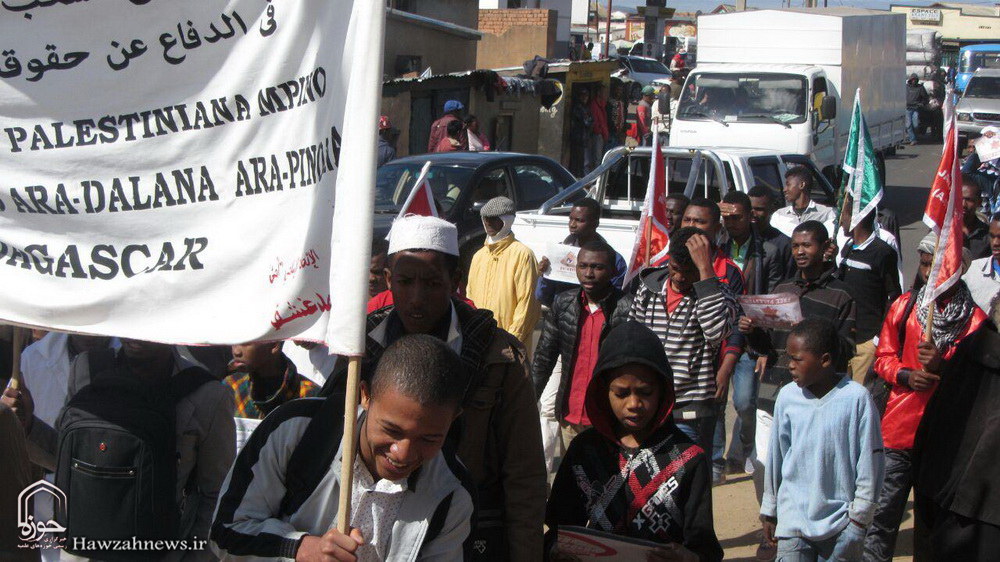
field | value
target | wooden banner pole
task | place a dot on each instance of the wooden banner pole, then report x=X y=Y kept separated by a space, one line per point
x=349 y=444
x=15 y=370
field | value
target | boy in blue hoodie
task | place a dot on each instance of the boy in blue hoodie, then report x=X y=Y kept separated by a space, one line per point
x=634 y=473
x=825 y=462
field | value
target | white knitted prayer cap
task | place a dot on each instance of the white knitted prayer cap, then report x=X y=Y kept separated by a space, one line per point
x=416 y=232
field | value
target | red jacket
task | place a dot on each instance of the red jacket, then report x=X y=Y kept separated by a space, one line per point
x=906 y=406
x=599 y=110
x=439 y=130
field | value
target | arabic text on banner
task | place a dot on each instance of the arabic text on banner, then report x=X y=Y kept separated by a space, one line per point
x=562 y=262
x=169 y=166
x=779 y=311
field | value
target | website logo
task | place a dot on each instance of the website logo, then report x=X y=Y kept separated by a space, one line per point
x=35 y=534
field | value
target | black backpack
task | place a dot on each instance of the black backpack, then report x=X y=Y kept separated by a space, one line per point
x=117 y=456
x=317 y=448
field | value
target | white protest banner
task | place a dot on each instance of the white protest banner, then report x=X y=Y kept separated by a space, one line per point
x=169 y=167
x=562 y=262
x=988 y=148
x=583 y=544
x=781 y=310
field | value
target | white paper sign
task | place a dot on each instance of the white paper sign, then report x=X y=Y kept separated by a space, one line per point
x=780 y=311
x=988 y=148
x=579 y=543
x=244 y=428
x=562 y=263
x=169 y=166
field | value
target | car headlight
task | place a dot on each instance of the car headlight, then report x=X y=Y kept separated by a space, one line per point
x=965 y=117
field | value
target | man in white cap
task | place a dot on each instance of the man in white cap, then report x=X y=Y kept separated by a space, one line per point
x=500 y=440
x=503 y=273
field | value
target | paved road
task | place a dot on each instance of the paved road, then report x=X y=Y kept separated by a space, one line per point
x=908 y=175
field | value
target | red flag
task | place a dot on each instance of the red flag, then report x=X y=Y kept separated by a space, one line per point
x=652 y=239
x=421 y=199
x=943 y=213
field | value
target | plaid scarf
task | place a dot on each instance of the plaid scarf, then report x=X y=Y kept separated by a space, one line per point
x=948 y=322
x=293 y=385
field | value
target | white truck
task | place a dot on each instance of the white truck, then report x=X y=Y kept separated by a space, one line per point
x=786 y=80
x=619 y=184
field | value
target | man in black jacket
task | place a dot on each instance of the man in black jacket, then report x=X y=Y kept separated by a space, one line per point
x=579 y=320
x=916 y=100
x=763 y=266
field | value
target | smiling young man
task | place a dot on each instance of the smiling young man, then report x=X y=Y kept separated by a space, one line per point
x=821 y=295
x=500 y=441
x=407 y=500
x=503 y=274
x=580 y=320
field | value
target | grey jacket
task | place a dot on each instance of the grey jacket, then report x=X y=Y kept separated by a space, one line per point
x=247 y=526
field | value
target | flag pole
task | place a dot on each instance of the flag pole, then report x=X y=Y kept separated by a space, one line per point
x=353 y=245
x=416 y=186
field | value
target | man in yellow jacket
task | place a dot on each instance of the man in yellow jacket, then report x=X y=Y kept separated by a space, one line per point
x=504 y=272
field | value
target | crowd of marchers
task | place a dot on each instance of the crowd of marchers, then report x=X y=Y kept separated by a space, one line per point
x=479 y=439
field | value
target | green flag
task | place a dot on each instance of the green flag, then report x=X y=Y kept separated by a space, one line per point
x=861 y=178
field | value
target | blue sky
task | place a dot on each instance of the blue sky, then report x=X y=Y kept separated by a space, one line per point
x=692 y=5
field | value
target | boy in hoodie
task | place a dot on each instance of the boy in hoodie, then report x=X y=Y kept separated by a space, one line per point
x=634 y=473
x=825 y=461
x=407 y=499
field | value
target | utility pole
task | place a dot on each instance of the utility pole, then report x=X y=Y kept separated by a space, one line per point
x=607 y=32
x=653 y=33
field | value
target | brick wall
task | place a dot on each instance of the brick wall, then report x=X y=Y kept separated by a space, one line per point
x=497 y=22
x=514 y=36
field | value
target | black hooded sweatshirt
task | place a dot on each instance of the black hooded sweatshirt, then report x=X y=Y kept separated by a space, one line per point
x=660 y=491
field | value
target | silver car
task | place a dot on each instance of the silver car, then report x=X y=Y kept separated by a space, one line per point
x=980 y=104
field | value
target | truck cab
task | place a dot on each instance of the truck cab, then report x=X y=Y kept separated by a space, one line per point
x=747 y=103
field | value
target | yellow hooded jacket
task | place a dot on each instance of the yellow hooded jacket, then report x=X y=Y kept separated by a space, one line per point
x=502 y=279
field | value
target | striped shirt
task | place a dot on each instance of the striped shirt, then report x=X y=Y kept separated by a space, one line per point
x=691 y=336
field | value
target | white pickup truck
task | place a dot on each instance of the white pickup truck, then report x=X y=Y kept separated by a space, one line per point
x=619 y=184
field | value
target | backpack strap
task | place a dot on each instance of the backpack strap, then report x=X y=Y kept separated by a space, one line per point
x=438 y=519
x=314 y=453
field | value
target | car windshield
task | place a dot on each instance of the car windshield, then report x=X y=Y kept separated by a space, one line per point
x=983 y=87
x=650 y=66
x=728 y=98
x=973 y=61
x=393 y=184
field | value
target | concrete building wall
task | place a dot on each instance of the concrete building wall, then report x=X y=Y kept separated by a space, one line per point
x=953 y=24
x=511 y=37
x=459 y=12
x=444 y=52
